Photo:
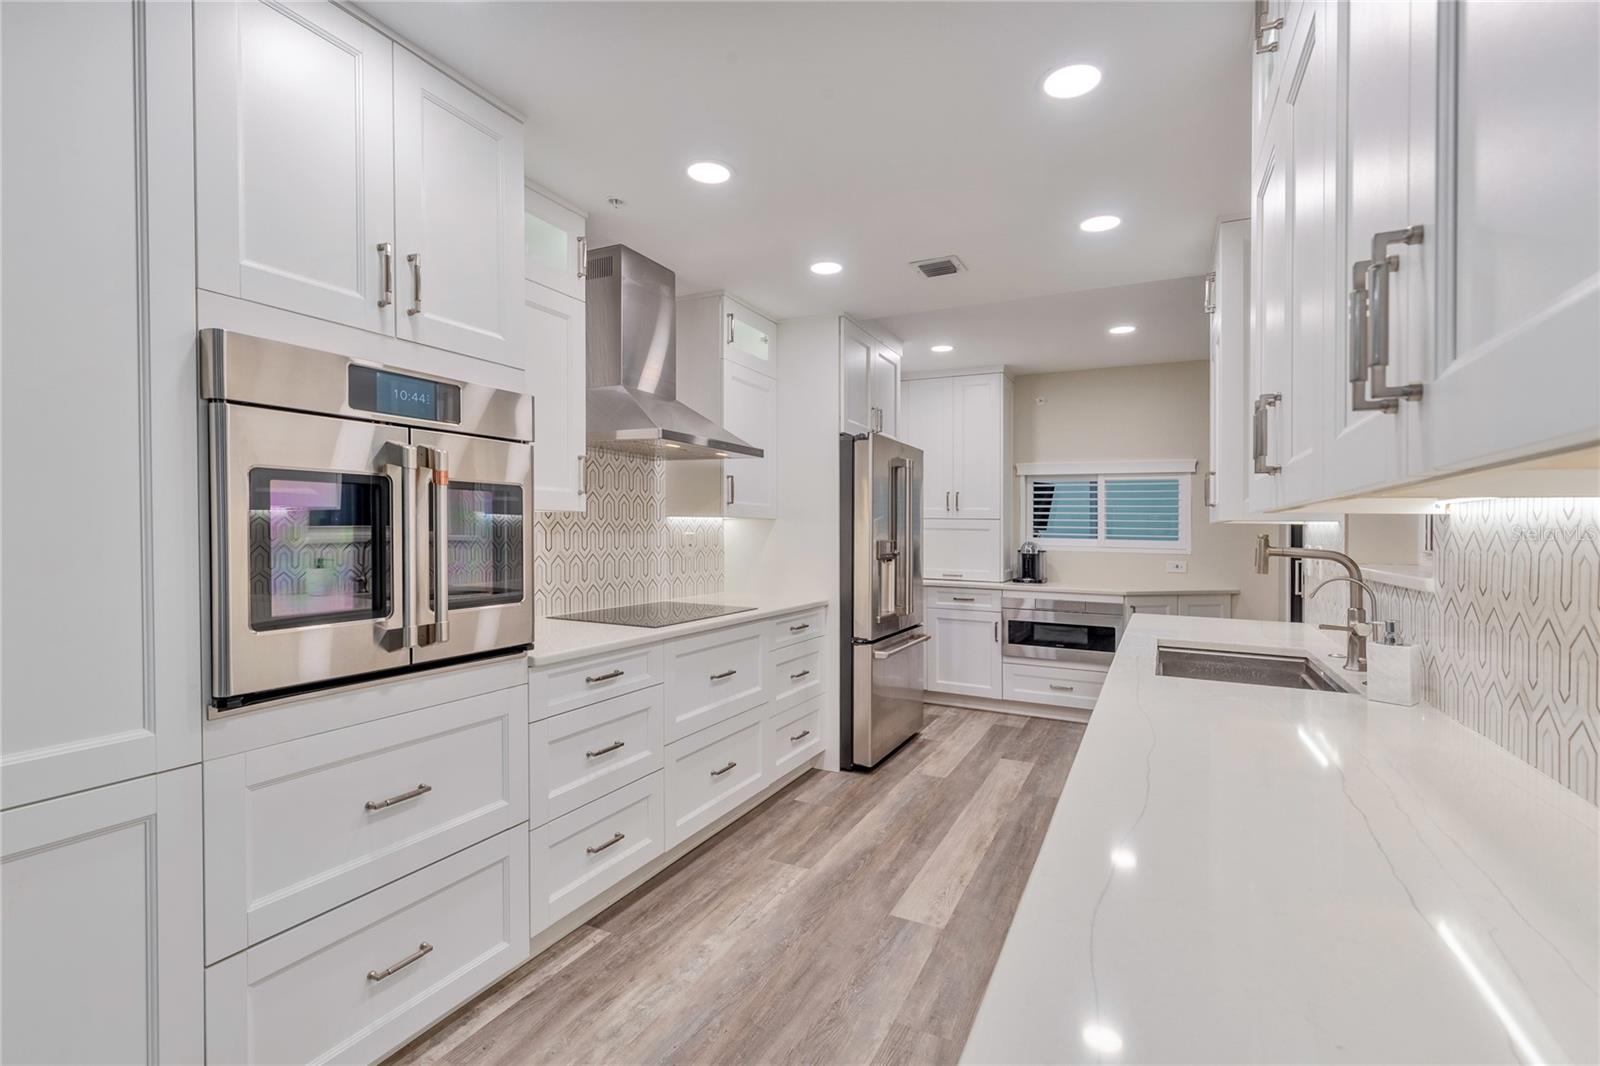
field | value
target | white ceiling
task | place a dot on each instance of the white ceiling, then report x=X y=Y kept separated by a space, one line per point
x=875 y=134
x=1066 y=331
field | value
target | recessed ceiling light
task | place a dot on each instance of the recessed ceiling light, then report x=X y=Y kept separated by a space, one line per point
x=1067 y=82
x=1124 y=858
x=708 y=172
x=826 y=267
x=1102 y=1038
x=1117 y=331
x=1099 y=223
x=942 y=348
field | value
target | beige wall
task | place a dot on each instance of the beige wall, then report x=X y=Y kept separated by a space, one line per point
x=1141 y=412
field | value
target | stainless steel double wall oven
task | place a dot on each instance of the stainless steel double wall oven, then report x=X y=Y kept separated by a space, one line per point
x=363 y=519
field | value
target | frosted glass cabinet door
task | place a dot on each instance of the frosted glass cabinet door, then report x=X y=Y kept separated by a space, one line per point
x=294 y=160
x=553 y=244
x=459 y=221
x=749 y=339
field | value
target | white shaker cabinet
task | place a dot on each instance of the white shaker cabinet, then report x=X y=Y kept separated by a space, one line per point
x=557 y=377
x=1516 y=370
x=295 y=169
x=750 y=412
x=855 y=376
x=1227 y=303
x=961 y=424
x=100 y=550
x=927 y=422
x=458 y=216
x=102 y=910
x=883 y=389
x=554 y=243
x=964 y=654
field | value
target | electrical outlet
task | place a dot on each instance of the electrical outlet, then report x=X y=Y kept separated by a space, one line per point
x=688 y=538
x=1177 y=566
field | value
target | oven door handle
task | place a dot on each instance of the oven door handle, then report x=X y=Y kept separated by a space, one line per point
x=395 y=456
x=437 y=462
x=896 y=649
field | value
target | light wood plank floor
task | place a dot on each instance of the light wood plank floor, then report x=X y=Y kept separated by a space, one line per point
x=852 y=918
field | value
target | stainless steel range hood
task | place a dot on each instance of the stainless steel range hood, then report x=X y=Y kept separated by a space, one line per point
x=633 y=364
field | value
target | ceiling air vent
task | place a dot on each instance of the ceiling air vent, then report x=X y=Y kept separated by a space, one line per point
x=941 y=267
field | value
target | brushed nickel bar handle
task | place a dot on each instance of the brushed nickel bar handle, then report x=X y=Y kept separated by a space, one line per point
x=415 y=259
x=609 y=675
x=1211 y=488
x=608 y=749
x=730 y=327
x=963 y=599
x=725 y=769
x=616 y=838
x=1356 y=327
x=583 y=257
x=724 y=675
x=1209 y=298
x=729 y=500
x=1263 y=402
x=958 y=499
x=797 y=677
x=947 y=499
x=378 y=805
x=1062 y=688
x=1378 y=271
x=386 y=257
x=801 y=628
x=801 y=735
x=380 y=975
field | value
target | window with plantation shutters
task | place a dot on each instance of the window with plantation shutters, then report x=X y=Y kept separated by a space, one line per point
x=1135 y=512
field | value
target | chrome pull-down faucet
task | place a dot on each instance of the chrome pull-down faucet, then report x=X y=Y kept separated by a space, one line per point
x=1357 y=626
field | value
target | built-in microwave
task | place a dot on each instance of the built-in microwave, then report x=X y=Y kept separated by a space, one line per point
x=1039 y=627
x=364 y=519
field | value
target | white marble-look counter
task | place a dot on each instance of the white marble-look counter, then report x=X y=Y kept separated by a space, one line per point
x=1082 y=593
x=558 y=641
x=1240 y=873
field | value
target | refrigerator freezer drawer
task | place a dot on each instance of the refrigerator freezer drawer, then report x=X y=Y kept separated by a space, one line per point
x=887 y=697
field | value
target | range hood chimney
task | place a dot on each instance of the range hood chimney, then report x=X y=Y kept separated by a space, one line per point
x=631 y=315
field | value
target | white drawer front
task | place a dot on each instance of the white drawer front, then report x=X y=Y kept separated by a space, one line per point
x=976 y=599
x=319 y=992
x=579 y=856
x=712 y=677
x=713 y=772
x=796 y=674
x=568 y=686
x=793 y=628
x=793 y=736
x=299 y=828
x=581 y=755
x=1061 y=687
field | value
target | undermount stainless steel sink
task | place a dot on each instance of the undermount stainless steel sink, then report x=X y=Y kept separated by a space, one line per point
x=1246 y=668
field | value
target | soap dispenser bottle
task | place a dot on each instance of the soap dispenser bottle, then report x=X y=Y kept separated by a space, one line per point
x=1394 y=670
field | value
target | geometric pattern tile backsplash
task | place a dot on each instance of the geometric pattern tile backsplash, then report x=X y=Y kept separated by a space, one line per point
x=622 y=549
x=1511 y=639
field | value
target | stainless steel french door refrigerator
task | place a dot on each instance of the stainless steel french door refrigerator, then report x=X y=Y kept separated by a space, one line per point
x=882 y=646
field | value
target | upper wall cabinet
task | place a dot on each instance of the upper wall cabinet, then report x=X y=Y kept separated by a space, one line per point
x=869 y=381
x=1227 y=304
x=553 y=243
x=340 y=177
x=295 y=168
x=458 y=215
x=961 y=426
x=750 y=412
x=97 y=169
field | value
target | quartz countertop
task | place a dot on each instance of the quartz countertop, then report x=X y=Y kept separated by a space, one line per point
x=1083 y=592
x=557 y=640
x=1238 y=873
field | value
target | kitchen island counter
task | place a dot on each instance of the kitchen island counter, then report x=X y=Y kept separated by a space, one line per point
x=1239 y=873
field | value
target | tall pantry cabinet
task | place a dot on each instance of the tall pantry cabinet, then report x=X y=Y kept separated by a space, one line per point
x=99 y=712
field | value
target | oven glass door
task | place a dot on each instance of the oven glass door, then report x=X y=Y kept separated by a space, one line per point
x=306 y=534
x=1059 y=636
x=488 y=493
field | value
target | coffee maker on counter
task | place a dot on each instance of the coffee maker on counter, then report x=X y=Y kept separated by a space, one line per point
x=1030 y=565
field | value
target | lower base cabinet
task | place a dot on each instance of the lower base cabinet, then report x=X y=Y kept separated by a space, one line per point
x=356 y=983
x=1058 y=686
x=794 y=735
x=964 y=656
x=711 y=772
x=100 y=900
x=576 y=857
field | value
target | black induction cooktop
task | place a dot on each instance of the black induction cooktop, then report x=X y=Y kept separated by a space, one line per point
x=654 y=615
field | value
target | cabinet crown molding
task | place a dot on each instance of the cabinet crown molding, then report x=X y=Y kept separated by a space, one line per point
x=1109 y=466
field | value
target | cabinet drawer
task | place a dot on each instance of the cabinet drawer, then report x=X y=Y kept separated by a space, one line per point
x=972 y=599
x=793 y=736
x=556 y=689
x=793 y=628
x=576 y=857
x=358 y=982
x=796 y=674
x=581 y=755
x=712 y=677
x=713 y=772
x=299 y=828
x=1060 y=686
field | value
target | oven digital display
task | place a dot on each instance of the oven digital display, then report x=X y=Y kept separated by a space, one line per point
x=404 y=396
